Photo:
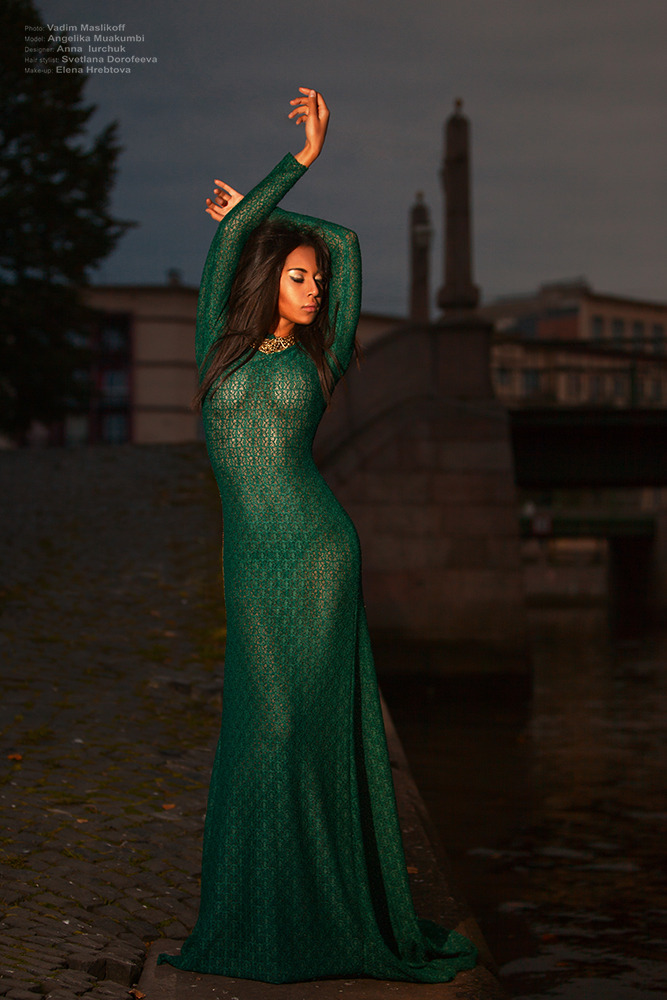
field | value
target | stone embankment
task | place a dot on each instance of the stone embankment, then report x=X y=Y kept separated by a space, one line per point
x=111 y=650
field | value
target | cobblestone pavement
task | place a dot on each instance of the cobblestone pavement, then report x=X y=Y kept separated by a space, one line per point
x=111 y=604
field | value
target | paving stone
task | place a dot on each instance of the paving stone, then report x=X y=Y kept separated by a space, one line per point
x=121 y=969
x=11 y=896
x=176 y=929
x=48 y=900
x=26 y=876
x=106 y=925
x=135 y=942
x=44 y=941
x=93 y=963
x=152 y=883
x=12 y=983
x=31 y=912
x=133 y=906
x=110 y=911
x=141 y=928
x=28 y=966
x=83 y=897
x=47 y=859
x=68 y=979
x=167 y=904
x=108 y=991
x=85 y=937
x=36 y=951
x=120 y=882
x=119 y=949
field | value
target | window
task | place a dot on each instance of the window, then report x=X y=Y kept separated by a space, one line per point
x=655 y=391
x=115 y=428
x=531 y=381
x=596 y=389
x=527 y=327
x=597 y=328
x=638 y=335
x=658 y=333
x=76 y=429
x=78 y=338
x=620 y=389
x=503 y=376
x=115 y=334
x=573 y=385
x=618 y=332
x=115 y=386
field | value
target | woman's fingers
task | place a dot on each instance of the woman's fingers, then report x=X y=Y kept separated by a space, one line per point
x=225 y=198
x=214 y=210
x=309 y=95
x=303 y=111
x=311 y=106
x=322 y=109
x=307 y=105
x=227 y=189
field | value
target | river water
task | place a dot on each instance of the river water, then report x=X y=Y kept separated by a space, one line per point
x=551 y=799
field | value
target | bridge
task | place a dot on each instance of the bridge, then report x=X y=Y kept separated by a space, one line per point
x=570 y=447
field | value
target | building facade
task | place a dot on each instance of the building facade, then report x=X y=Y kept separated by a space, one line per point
x=143 y=373
x=567 y=345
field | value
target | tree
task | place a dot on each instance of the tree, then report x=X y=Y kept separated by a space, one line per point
x=55 y=183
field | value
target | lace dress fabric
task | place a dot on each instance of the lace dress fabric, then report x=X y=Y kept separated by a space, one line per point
x=303 y=872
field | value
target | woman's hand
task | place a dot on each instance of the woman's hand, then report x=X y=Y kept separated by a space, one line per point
x=312 y=110
x=223 y=201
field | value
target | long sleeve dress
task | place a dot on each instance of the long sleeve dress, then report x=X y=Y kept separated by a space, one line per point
x=303 y=872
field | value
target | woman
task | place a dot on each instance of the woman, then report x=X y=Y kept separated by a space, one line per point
x=303 y=872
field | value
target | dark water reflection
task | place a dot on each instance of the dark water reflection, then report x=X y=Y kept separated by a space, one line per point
x=553 y=806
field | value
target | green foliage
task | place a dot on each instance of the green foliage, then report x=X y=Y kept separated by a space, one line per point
x=55 y=182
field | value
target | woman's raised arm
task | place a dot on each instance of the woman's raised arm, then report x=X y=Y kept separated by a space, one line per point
x=345 y=285
x=227 y=245
x=312 y=111
x=240 y=216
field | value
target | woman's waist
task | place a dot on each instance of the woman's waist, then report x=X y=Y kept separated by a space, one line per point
x=275 y=521
x=284 y=489
x=233 y=472
x=247 y=451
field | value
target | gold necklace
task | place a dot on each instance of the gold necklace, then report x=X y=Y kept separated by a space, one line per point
x=271 y=345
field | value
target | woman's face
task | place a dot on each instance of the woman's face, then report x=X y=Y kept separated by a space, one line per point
x=300 y=293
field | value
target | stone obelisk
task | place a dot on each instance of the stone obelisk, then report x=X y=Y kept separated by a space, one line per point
x=420 y=246
x=458 y=291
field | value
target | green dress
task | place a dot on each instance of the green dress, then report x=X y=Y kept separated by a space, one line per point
x=303 y=872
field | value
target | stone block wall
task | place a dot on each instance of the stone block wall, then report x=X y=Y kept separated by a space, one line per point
x=428 y=482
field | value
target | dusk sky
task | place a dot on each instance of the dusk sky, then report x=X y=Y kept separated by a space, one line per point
x=567 y=101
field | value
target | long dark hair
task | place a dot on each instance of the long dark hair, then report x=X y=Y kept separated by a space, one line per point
x=251 y=308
